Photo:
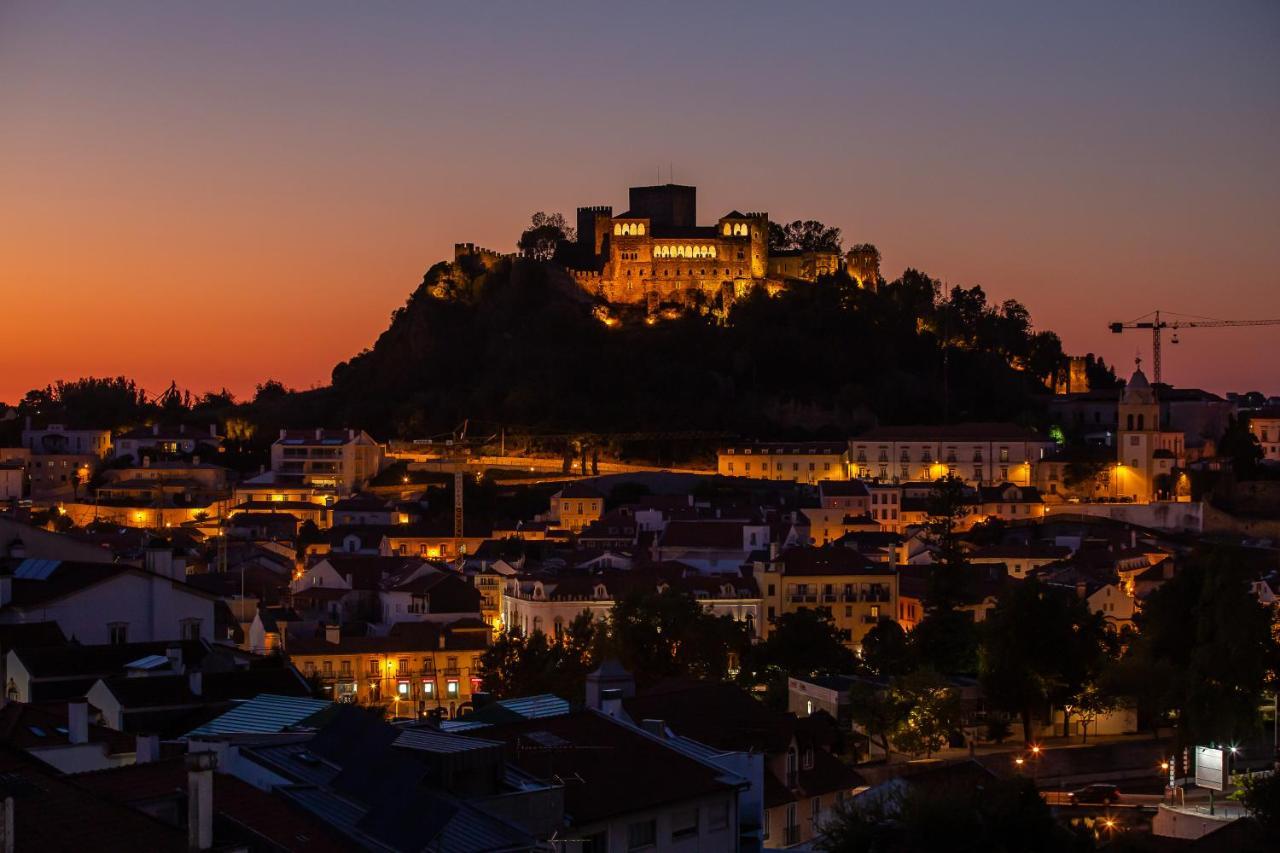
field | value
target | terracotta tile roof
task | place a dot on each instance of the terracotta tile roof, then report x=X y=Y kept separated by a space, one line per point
x=268 y=817
x=51 y=813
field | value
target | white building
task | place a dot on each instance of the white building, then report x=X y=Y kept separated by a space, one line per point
x=977 y=453
x=340 y=459
x=101 y=603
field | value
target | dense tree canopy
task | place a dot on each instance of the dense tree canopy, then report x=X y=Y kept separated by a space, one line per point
x=1207 y=648
x=1040 y=645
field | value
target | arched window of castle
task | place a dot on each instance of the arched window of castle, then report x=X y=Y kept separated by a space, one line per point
x=640 y=228
x=617 y=229
x=728 y=229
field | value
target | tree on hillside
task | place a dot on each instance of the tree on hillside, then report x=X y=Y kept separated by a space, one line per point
x=804 y=235
x=544 y=233
x=1209 y=637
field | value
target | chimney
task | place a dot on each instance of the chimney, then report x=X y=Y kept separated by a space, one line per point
x=147 y=749
x=333 y=634
x=319 y=433
x=6 y=586
x=351 y=435
x=155 y=429
x=182 y=429
x=78 y=721
x=146 y=462
x=195 y=682
x=6 y=821
x=1082 y=589
x=775 y=550
x=200 y=799
x=195 y=459
x=282 y=434
x=611 y=702
x=657 y=728
x=213 y=430
x=174 y=654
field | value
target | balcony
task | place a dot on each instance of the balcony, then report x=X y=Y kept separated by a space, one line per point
x=829 y=597
x=803 y=599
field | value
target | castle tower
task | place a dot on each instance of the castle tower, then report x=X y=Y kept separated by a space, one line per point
x=863 y=264
x=1137 y=438
x=593 y=227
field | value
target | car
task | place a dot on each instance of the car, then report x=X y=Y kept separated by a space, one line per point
x=1095 y=795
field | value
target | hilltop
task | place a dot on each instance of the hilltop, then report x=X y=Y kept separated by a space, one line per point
x=516 y=342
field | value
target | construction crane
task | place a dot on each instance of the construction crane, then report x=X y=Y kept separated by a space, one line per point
x=1157 y=324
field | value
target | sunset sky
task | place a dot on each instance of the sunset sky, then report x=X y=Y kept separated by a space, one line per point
x=219 y=193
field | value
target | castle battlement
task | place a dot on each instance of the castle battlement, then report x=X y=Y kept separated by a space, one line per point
x=467 y=250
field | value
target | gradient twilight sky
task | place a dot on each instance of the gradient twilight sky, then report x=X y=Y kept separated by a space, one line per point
x=223 y=192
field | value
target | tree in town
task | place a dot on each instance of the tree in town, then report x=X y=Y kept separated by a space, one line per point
x=1241 y=446
x=520 y=665
x=946 y=641
x=806 y=642
x=886 y=649
x=878 y=710
x=932 y=712
x=1213 y=643
x=1003 y=815
x=1089 y=703
x=948 y=504
x=1039 y=645
x=1261 y=796
x=658 y=635
x=545 y=232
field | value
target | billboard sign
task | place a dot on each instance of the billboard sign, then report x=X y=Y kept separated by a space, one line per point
x=1211 y=768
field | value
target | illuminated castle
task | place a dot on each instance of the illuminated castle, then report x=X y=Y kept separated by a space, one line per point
x=656 y=252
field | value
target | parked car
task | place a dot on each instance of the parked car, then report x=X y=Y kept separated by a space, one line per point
x=1095 y=795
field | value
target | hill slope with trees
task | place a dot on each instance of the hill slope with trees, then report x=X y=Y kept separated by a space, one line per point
x=517 y=343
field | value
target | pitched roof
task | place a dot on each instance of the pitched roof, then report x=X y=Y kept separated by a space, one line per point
x=277 y=820
x=52 y=813
x=725 y=535
x=265 y=713
x=829 y=560
x=592 y=747
x=843 y=489
x=28 y=726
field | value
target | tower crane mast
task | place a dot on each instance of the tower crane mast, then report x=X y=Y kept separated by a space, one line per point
x=1157 y=325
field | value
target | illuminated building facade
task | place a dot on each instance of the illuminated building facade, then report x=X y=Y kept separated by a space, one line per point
x=977 y=453
x=656 y=252
x=799 y=461
x=1146 y=455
